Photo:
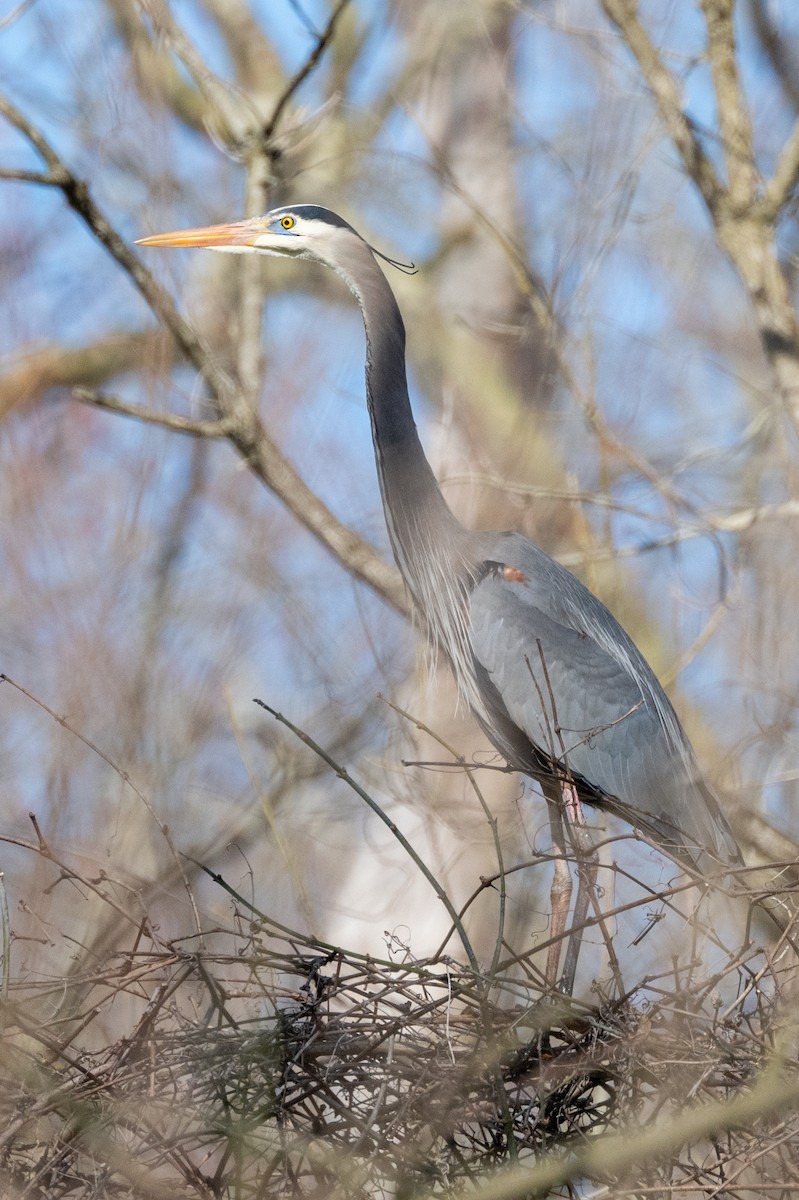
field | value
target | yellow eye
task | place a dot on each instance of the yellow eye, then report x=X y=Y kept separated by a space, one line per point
x=287 y=222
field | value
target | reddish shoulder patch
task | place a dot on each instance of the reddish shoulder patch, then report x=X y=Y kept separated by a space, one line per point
x=513 y=575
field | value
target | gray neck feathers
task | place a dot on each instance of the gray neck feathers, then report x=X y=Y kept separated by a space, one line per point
x=419 y=521
x=429 y=543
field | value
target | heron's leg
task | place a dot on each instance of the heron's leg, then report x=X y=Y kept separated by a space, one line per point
x=561 y=892
x=587 y=868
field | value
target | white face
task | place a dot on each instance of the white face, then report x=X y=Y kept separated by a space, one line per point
x=284 y=231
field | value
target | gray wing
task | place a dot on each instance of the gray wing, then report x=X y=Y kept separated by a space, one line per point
x=565 y=688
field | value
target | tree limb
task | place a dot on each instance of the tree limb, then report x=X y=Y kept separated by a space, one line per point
x=776 y=49
x=234 y=115
x=156 y=74
x=744 y=226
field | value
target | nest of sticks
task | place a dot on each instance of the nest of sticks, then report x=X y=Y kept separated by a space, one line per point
x=265 y=1064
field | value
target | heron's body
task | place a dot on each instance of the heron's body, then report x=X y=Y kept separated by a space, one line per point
x=562 y=680
x=556 y=683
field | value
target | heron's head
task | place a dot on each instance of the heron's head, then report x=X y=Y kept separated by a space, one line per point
x=299 y=231
x=302 y=231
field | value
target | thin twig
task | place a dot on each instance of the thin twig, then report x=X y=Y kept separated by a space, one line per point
x=126 y=779
x=344 y=775
x=305 y=70
x=176 y=424
x=493 y=824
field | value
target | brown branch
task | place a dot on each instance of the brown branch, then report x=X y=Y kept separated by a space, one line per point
x=258 y=68
x=766 y=843
x=233 y=115
x=126 y=780
x=13 y=173
x=206 y=429
x=77 y=195
x=305 y=70
x=246 y=432
x=775 y=47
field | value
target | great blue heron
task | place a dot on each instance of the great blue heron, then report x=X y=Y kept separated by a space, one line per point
x=556 y=683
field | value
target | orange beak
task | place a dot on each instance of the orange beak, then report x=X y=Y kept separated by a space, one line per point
x=230 y=236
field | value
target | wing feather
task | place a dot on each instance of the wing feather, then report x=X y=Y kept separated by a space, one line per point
x=554 y=663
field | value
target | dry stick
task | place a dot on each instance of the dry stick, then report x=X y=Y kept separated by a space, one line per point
x=624 y=15
x=664 y=895
x=240 y=127
x=493 y=824
x=126 y=779
x=592 y=922
x=67 y=872
x=420 y=968
x=232 y=109
x=247 y=433
x=268 y=809
x=305 y=70
x=543 y=313
x=501 y=1098
x=6 y=939
x=778 y=49
x=149 y=416
x=734 y=121
x=71 y=876
x=344 y=775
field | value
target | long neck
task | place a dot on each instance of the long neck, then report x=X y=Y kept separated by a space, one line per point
x=434 y=553
x=425 y=535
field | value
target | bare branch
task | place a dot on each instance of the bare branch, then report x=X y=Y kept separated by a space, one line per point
x=206 y=429
x=305 y=70
x=126 y=780
x=15 y=13
x=664 y=89
x=345 y=776
x=77 y=194
x=157 y=74
x=28 y=176
x=742 y=225
x=775 y=46
x=257 y=66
